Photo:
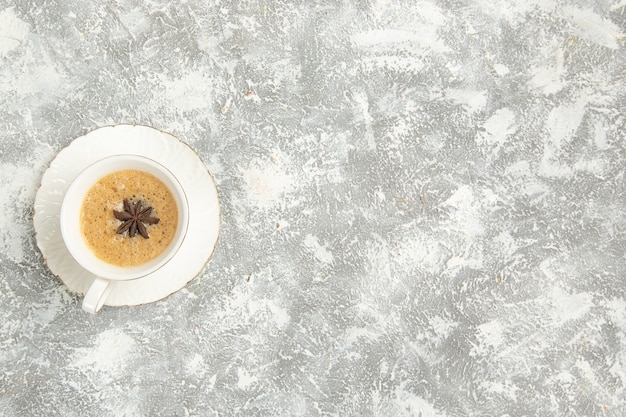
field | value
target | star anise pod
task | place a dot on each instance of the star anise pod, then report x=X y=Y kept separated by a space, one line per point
x=134 y=219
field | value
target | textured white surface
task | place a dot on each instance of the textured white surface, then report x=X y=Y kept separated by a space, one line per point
x=423 y=207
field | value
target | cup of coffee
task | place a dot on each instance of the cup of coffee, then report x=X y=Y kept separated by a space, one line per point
x=122 y=218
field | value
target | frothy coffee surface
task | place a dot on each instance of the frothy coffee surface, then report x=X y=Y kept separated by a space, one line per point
x=98 y=224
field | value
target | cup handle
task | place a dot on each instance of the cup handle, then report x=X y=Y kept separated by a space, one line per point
x=96 y=295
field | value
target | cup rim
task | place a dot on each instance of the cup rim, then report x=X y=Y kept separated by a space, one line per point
x=70 y=219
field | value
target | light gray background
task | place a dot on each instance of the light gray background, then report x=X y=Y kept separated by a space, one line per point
x=423 y=207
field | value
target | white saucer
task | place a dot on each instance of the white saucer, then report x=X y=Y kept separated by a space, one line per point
x=204 y=212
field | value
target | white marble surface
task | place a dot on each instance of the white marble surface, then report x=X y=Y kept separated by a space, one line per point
x=423 y=207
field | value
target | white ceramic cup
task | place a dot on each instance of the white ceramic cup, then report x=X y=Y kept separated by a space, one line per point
x=107 y=273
